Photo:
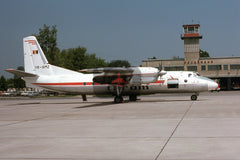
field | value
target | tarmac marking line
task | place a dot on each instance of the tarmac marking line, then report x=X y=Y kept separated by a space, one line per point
x=174 y=131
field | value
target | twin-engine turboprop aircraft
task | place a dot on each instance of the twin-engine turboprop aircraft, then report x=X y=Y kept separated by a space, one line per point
x=119 y=82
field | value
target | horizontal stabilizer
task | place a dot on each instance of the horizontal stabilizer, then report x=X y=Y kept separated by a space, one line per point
x=108 y=70
x=20 y=73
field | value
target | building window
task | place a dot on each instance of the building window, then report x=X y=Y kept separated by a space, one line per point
x=190 y=29
x=225 y=67
x=192 y=68
x=203 y=67
x=235 y=66
x=174 y=68
x=214 y=67
x=196 y=29
x=185 y=29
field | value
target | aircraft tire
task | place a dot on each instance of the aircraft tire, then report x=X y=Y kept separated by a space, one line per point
x=132 y=97
x=194 y=97
x=118 y=99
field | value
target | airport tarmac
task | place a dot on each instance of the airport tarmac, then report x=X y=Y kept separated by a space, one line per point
x=159 y=127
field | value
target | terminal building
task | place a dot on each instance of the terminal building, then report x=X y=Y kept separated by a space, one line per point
x=224 y=70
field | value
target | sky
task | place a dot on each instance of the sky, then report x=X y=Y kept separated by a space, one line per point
x=131 y=30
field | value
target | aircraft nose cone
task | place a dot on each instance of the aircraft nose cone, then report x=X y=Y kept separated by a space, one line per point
x=212 y=86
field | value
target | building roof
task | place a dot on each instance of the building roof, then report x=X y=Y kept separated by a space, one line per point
x=177 y=59
x=202 y=58
x=182 y=59
x=191 y=25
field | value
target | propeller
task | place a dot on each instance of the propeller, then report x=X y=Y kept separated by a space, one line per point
x=161 y=71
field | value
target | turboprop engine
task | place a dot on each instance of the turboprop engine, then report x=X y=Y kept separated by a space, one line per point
x=145 y=75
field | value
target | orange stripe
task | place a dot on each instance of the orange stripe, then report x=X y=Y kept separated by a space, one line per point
x=70 y=83
x=78 y=83
x=160 y=81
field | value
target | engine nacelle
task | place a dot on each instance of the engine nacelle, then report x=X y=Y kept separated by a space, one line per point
x=144 y=75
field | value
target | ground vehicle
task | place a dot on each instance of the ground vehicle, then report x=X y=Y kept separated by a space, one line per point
x=1 y=92
x=29 y=93
x=8 y=94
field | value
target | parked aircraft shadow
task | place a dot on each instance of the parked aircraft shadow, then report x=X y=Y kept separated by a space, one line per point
x=102 y=104
x=96 y=104
x=90 y=104
x=163 y=100
x=30 y=103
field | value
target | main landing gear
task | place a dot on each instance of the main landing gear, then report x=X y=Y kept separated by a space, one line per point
x=119 y=99
x=132 y=98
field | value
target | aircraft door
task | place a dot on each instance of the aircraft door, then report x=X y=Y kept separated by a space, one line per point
x=189 y=82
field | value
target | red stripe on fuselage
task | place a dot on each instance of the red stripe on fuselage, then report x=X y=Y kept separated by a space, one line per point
x=77 y=83
x=160 y=81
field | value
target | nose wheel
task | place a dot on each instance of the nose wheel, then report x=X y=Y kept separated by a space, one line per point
x=194 y=97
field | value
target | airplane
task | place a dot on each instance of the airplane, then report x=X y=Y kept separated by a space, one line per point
x=116 y=81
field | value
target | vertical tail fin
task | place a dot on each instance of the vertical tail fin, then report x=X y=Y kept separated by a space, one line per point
x=33 y=55
x=35 y=61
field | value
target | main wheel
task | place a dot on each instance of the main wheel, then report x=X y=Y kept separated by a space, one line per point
x=194 y=97
x=133 y=97
x=118 y=99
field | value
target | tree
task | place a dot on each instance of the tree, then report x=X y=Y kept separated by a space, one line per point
x=78 y=58
x=174 y=57
x=10 y=83
x=203 y=53
x=3 y=84
x=72 y=58
x=94 y=62
x=47 y=38
x=119 y=63
x=17 y=81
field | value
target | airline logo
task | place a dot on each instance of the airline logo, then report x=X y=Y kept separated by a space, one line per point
x=119 y=81
x=32 y=46
x=31 y=42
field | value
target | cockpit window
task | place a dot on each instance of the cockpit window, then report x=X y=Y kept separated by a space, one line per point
x=205 y=78
x=193 y=75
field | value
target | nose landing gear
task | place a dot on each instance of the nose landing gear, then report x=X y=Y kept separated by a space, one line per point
x=194 y=97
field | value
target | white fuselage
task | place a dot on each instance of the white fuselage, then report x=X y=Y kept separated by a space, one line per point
x=144 y=81
x=116 y=81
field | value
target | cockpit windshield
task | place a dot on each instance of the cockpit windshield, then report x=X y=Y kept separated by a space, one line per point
x=205 y=78
x=190 y=75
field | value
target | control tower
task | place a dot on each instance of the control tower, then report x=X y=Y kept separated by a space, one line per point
x=191 y=41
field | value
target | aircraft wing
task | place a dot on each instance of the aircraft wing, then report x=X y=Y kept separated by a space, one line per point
x=111 y=75
x=20 y=73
